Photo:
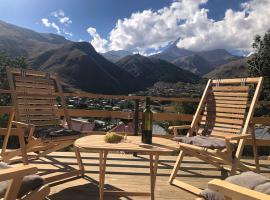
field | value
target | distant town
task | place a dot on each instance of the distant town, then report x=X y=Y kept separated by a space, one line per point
x=160 y=89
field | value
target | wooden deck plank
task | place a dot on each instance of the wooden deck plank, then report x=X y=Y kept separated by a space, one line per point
x=126 y=172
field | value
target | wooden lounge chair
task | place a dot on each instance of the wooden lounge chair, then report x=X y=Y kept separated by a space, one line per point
x=220 y=127
x=18 y=182
x=238 y=187
x=232 y=191
x=36 y=97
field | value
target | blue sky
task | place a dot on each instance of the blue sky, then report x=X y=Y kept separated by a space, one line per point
x=102 y=14
x=145 y=26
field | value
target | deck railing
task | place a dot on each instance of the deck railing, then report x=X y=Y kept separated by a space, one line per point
x=136 y=115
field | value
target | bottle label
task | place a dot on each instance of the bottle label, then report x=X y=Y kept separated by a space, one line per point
x=148 y=121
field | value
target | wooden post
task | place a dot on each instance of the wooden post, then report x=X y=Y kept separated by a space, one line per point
x=136 y=119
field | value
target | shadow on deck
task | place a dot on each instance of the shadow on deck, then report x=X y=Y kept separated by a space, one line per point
x=125 y=172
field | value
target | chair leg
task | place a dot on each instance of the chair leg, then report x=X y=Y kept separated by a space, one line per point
x=234 y=168
x=79 y=160
x=237 y=158
x=176 y=166
x=23 y=149
x=255 y=150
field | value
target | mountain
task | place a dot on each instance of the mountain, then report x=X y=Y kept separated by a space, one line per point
x=82 y=67
x=172 y=53
x=18 y=41
x=236 y=68
x=78 y=64
x=214 y=58
x=194 y=63
x=217 y=57
x=150 y=70
x=114 y=56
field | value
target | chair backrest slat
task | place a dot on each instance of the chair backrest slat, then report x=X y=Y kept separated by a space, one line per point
x=220 y=114
x=223 y=125
x=230 y=88
x=34 y=96
x=225 y=106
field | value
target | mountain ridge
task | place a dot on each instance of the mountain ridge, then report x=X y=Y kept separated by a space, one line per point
x=15 y=39
x=171 y=53
x=81 y=66
x=115 y=56
x=194 y=63
x=233 y=69
x=218 y=57
x=154 y=70
x=190 y=60
x=77 y=63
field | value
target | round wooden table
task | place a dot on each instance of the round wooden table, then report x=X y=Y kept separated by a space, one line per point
x=132 y=144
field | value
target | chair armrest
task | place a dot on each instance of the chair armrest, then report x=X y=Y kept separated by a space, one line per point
x=238 y=137
x=175 y=128
x=16 y=175
x=234 y=191
x=231 y=136
x=16 y=172
x=22 y=125
x=179 y=127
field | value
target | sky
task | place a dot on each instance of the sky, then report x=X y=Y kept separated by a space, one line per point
x=145 y=26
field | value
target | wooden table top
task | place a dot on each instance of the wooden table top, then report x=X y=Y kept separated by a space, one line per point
x=132 y=144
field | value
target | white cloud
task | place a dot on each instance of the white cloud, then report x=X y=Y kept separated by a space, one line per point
x=153 y=29
x=185 y=19
x=45 y=22
x=63 y=20
x=100 y=44
x=48 y=24
x=59 y=12
x=60 y=15
x=69 y=34
x=234 y=32
x=56 y=27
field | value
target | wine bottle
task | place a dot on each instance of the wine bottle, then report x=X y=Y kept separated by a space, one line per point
x=147 y=123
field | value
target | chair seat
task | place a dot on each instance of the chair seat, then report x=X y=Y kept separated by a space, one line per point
x=29 y=183
x=203 y=141
x=248 y=180
x=54 y=131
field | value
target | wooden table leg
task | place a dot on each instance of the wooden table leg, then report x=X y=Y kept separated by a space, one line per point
x=102 y=168
x=79 y=160
x=153 y=173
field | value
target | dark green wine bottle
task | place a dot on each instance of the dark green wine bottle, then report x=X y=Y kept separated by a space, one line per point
x=147 y=123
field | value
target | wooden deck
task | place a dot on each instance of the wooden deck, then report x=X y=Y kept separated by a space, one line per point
x=125 y=172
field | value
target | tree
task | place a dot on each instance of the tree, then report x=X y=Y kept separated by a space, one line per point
x=5 y=61
x=259 y=64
